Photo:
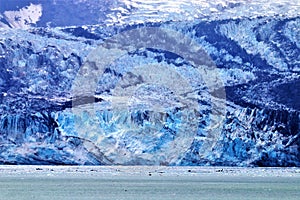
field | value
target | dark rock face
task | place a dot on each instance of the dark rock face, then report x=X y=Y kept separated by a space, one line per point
x=257 y=60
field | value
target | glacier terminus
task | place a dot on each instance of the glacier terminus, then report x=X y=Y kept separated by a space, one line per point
x=131 y=82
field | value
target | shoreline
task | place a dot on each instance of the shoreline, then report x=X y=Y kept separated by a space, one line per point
x=150 y=170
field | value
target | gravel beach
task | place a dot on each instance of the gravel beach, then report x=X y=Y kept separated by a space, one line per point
x=144 y=182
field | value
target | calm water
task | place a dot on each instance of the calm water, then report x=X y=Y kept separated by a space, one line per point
x=35 y=182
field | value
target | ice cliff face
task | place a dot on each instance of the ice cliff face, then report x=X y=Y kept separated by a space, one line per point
x=212 y=90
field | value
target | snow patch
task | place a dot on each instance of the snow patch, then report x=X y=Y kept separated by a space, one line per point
x=25 y=17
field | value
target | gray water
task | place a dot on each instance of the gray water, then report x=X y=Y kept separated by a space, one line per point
x=38 y=182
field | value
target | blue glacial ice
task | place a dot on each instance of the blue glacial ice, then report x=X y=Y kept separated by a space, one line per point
x=145 y=83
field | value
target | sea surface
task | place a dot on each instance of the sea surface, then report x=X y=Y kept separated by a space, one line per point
x=144 y=182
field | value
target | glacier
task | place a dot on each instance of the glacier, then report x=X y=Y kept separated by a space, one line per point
x=194 y=83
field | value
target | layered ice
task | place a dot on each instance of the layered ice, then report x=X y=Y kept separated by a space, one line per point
x=153 y=83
